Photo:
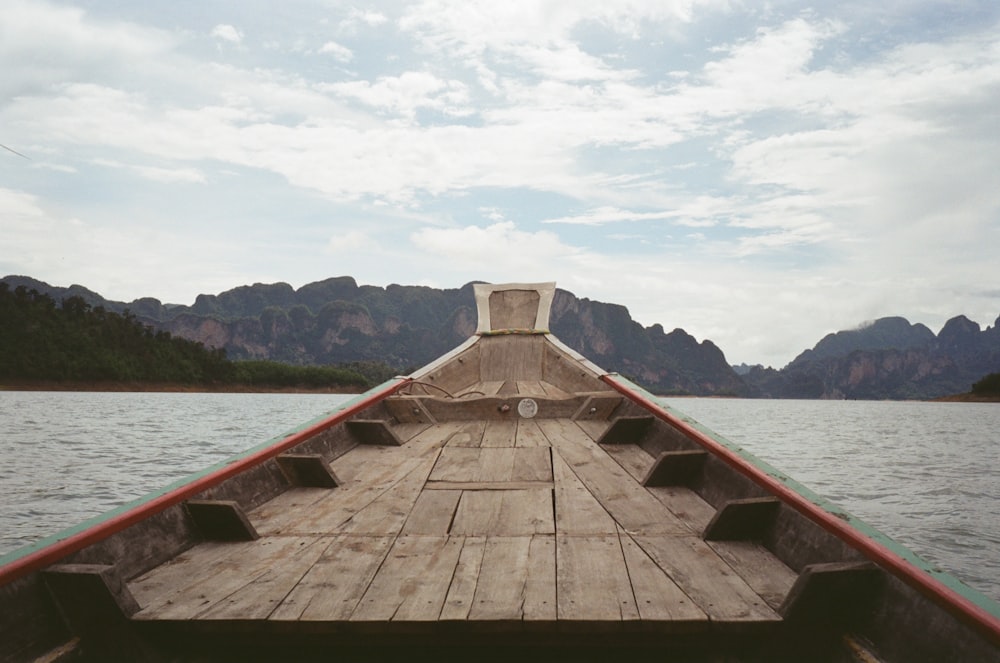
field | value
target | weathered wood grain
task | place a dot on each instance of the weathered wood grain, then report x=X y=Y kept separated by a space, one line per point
x=413 y=582
x=466 y=434
x=707 y=579
x=631 y=505
x=333 y=587
x=387 y=513
x=531 y=388
x=205 y=585
x=632 y=458
x=258 y=599
x=577 y=510
x=516 y=580
x=500 y=433
x=462 y=591
x=657 y=597
x=504 y=513
x=529 y=435
x=766 y=574
x=432 y=512
x=489 y=464
x=593 y=583
x=686 y=504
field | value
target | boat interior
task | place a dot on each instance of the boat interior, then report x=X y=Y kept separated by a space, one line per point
x=506 y=499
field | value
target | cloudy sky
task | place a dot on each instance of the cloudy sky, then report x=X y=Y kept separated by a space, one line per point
x=758 y=174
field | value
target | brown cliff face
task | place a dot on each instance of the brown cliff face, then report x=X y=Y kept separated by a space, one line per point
x=407 y=326
x=853 y=365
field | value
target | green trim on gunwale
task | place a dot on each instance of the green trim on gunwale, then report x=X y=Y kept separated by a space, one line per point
x=946 y=579
x=41 y=544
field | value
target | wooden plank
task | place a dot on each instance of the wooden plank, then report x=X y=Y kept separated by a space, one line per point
x=486 y=485
x=504 y=513
x=632 y=458
x=577 y=511
x=489 y=464
x=619 y=493
x=204 y=586
x=513 y=309
x=406 y=432
x=502 y=581
x=532 y=464
x=466 y=434
x=598 y=407
x=500 y=433
x=456 y=464
x=258 y=599
x=270 y=517
x=176 y=573
x=462 y=591
x=531 y=388
x=367 y=472
x=407 y=410
x=704 y=576
x=511 y=357
x=686 y=504
x=529 y=435
x=594 y=428
x=332 y=588
x=759 y=567
x=516 y=580
x=657 y=597
x=488 y=388
x=552 y=391
x=432 y=512
x=413 y=582
x=592 y=580
x=387 y=513
x=496 y=464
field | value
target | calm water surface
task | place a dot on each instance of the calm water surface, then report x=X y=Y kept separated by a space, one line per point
x=924 y=473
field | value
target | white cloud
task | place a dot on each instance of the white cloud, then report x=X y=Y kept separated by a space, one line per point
x=227 y=33
x=155 y=173
x=406 y=93
x=341 y=53
x=500 y=248
x=350 y=241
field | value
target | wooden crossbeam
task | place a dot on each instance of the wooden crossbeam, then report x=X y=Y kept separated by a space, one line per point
x=675 y=468
x=832 y=593
x=598 y=407
x=742 y=519
x=626 y=430
x=221 y=520
x=373 y=431
x=95 y=602
x=308 y=470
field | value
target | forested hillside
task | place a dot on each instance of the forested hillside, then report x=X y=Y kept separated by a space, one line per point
x=42 y=340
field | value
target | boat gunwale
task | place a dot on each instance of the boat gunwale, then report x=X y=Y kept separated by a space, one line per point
x=903 y=564
x=34 y=557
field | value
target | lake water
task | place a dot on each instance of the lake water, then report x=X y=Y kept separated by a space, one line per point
x=924 y=473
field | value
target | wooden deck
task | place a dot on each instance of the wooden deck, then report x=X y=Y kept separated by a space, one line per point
x=483 y=526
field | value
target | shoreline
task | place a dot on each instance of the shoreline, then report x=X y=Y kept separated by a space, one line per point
x=171 y=387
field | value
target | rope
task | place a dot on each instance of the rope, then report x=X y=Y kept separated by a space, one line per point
x=443 y=391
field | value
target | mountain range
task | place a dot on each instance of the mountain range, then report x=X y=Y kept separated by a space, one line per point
x=337 y=321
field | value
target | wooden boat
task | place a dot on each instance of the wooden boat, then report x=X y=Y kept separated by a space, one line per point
x=509 y=499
